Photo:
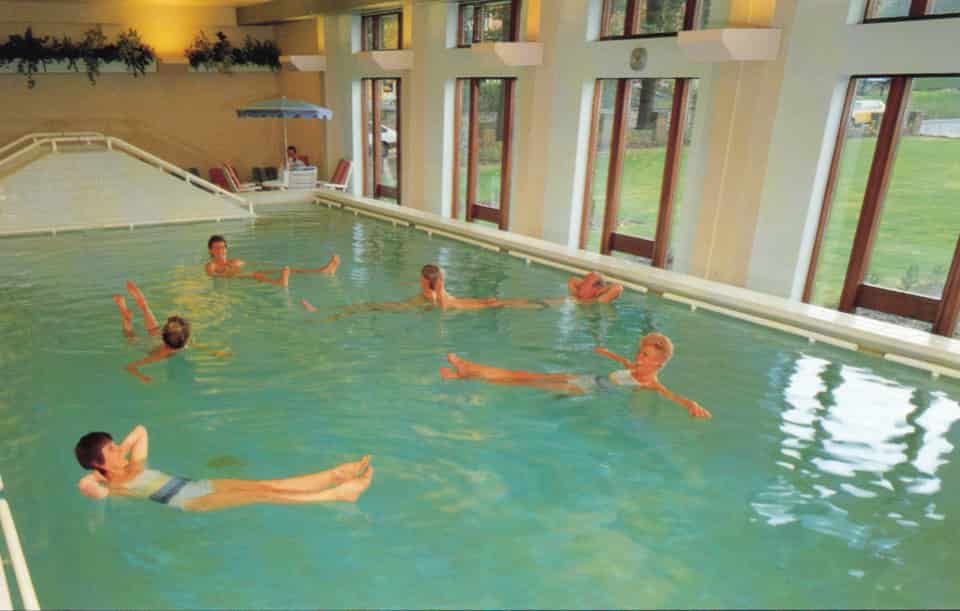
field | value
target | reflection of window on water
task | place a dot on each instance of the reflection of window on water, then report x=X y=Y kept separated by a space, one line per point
x=851 y=444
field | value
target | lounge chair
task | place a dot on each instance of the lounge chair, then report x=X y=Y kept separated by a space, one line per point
x=219 y=178
x=234 y=180
x=340 y=178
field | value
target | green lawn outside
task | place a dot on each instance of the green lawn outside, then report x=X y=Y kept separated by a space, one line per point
x=918 y=229
x=918 y=226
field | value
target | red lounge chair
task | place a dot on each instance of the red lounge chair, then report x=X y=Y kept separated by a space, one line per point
x=219 y=178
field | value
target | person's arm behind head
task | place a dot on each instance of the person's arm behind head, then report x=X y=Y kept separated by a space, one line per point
x=137 y=443
x=90 y=486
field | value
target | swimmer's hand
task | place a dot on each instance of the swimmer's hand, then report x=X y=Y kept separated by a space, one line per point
x=131 y=369
x=698 y=411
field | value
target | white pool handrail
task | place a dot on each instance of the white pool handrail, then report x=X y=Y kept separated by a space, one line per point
x=33 y=137
x=55 y=138
x=21 y=571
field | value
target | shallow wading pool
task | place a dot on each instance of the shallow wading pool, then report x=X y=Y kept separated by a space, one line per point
x=826 y=477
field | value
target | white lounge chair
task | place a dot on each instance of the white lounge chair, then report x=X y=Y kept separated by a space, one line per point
x=340 y=178
x=238 y=187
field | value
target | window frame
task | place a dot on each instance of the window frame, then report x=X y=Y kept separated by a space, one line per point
x=475 y=211
x=514 y=34
x=690 y=18
x=372 y=99
x=942 y=313
x=918 y=12
x=656 y=249
x=372 y=21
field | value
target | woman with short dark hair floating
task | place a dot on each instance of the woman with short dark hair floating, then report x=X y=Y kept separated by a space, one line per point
x=120 y=470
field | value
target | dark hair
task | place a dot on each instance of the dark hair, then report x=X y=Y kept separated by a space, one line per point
x=214 y=239
x=89 y=450
x=176 y=332
x=291 y=148
x=431 y=272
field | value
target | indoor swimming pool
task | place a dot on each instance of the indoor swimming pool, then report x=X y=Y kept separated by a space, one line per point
x=826 y=478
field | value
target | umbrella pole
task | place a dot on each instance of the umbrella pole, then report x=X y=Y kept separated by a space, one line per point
x=284 y=142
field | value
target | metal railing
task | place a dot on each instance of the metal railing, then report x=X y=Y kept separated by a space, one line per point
x=28 y=597
x=31 y=142
x=33 y=137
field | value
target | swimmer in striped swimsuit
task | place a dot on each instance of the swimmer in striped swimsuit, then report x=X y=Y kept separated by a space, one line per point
x=119 y=470
x=641 y=373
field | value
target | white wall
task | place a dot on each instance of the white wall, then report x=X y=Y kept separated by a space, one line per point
x=552 y=105
x=763 y=131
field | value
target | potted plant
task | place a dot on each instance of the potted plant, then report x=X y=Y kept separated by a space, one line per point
x=222 y=56
x=31 y=54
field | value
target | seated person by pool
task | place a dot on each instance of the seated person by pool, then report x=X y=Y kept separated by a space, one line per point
x=640 y=374
x=293 y=161
x=120 y=470
x=220 y=266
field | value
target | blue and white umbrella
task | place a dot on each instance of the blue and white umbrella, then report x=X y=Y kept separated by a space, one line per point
x=284 y=108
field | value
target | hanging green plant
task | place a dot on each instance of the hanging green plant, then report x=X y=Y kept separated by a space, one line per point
x=134 y=53
x=222 y=56
x=31 y=54
x=93 y=50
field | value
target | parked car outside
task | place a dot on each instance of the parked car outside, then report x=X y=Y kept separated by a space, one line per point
x=864 y=111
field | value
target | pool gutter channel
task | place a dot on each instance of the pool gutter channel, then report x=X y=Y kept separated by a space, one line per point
x=18 y=561
x=909 y=347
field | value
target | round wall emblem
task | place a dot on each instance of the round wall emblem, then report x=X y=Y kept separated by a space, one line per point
x=638 y=58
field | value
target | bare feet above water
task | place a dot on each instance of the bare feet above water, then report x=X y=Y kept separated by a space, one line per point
x=331 y=266
x=351 y=490
x=460 y=370
x=350 y=470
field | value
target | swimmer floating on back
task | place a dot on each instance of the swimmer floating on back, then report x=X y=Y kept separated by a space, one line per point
x=175 y=333
x=220 y=266
x=120 y=470
x=640 y=374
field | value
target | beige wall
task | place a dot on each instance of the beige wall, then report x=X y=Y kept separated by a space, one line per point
x=186 y=118
x=304 y=37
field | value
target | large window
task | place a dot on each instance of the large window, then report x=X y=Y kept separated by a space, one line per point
x=382 y=32
x=897 y=10
x=888 y=242
x=381 y=122
x=483 y=126
x=639 y=18
x=638 y=141
x=488 y=21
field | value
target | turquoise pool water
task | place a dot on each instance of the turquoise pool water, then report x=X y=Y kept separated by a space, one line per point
x=826 y=478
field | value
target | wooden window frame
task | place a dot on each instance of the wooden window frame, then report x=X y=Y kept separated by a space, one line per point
x=918 y=11
x=514 y=34
x=690 y=17
x=656 y=249
x=370 y=96
x=373 y=21
x=475 y=211
x=857 y=293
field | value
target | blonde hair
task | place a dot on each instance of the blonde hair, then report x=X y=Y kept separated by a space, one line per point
x=659 y=341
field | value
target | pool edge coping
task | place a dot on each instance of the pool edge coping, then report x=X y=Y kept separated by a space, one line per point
x=908 y=347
